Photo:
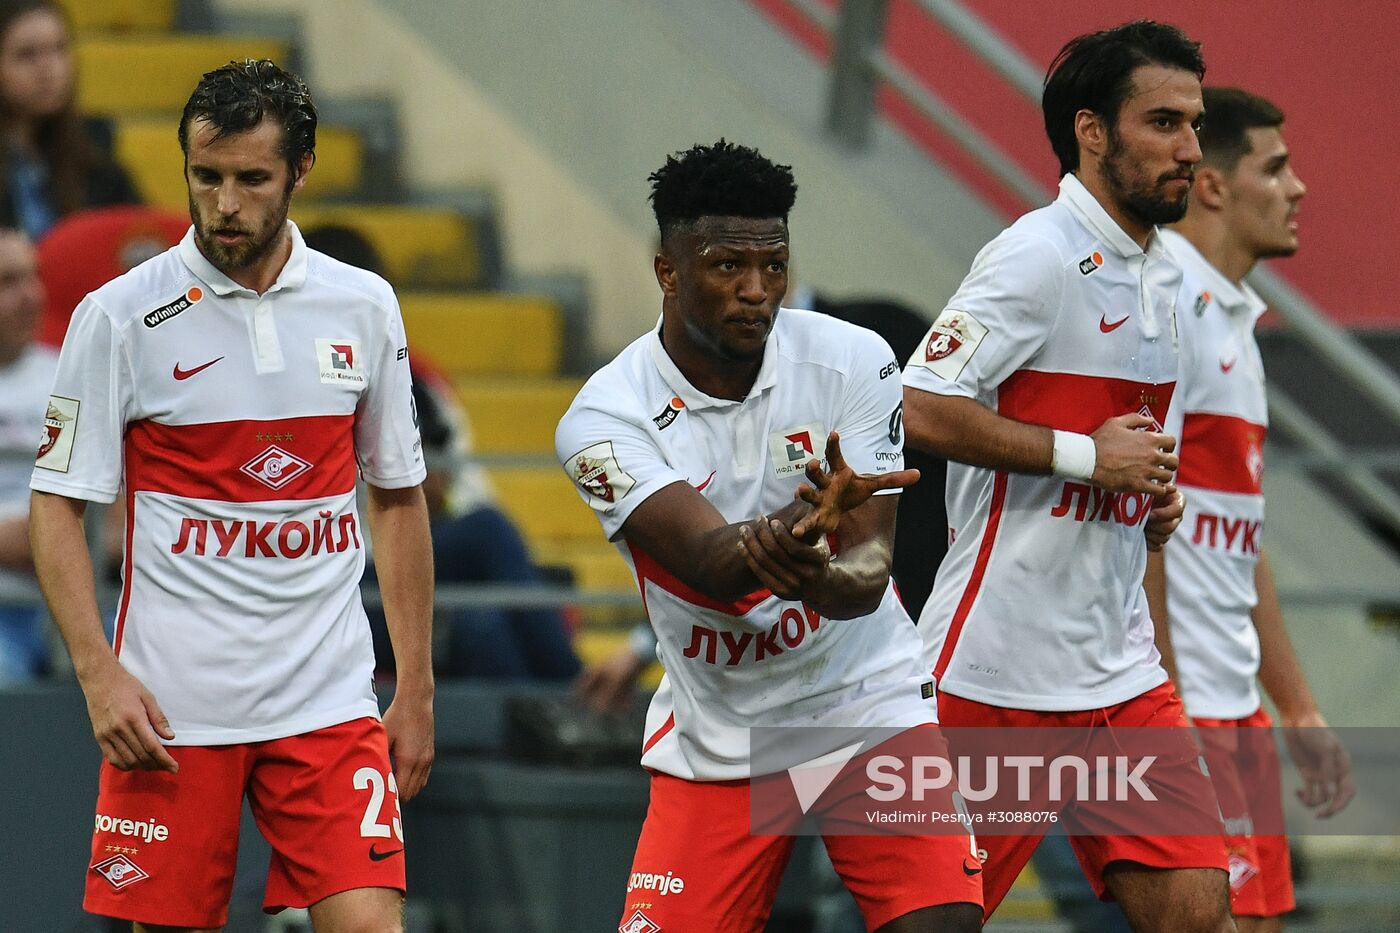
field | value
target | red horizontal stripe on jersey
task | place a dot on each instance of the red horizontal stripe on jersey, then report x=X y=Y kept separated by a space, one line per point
x=1221 y=452
x=1075 y=402
x=649 y=569
x=207 y=461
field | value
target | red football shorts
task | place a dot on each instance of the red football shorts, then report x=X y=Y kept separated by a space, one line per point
x=164 y=845
x=700 y=868
x=1261 y=874
x=1096 y=841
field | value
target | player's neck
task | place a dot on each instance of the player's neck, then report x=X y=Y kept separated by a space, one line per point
x=713 y=375
x=1213 y=241
x=262 y=274
x=1139 y=232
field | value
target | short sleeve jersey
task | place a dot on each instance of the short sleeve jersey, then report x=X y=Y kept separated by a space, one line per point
x=1213 y=555
x=234 y=424
x=639 y=426
x=1065 y=322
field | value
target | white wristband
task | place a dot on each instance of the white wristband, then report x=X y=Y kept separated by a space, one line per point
x=1074 y=455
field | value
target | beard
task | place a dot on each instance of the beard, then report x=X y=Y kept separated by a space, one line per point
x=255 y=245
x=1149 y=202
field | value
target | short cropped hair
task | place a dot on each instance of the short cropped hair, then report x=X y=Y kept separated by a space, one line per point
x=1095 y=72
x=1230 y=114
x=237 y=97
x=722 y=180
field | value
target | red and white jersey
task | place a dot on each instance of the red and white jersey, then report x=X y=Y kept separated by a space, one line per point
x=1064 y=322
x=1213 y=555
x=638 y=426
x=235 y=422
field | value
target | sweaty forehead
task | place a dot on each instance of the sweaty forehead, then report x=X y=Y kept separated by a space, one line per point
x=739 y=232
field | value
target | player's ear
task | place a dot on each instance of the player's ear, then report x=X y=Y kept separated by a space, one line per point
x=665 y=272
x=1211 y=188
x=308 y=159
x=1091 y=132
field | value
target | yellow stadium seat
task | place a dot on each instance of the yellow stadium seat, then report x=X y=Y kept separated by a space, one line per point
x=417 y=243
x=122 y=74
x=543 y=503
x=121 y=15
x=596 y=565
x=515 y=415
x=150 y=151
x=484 y=333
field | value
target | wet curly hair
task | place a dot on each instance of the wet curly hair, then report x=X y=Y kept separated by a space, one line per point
x=720 y=180
x=238 y=96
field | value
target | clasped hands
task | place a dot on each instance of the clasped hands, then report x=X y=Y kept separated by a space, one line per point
x=792 y=561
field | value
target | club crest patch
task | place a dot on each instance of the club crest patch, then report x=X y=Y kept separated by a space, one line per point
x=952 y=340
x=598 y=473
x=56 y=443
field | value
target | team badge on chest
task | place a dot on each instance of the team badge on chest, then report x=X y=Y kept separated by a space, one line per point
x=791 y=448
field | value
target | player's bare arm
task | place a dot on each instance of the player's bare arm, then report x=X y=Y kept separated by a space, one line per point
x=403 y=559
x=1128 y=457
x=688 y=536
x=1321 y=758
x=126 y=720
x=1154 y=583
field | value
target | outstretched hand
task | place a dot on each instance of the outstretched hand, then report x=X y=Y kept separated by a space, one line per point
x=840 y=490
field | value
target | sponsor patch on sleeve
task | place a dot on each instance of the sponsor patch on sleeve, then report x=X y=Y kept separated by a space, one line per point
x=56 y=444
x=955 y=336
x=598 y=473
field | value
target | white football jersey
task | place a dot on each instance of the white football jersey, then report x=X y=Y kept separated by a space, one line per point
x=1213 y=555
x=638 y=426
x=1063 y=322
x=235 y=424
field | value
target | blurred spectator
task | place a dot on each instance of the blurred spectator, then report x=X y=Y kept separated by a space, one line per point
x=26 y=376
x=474 y=542
x=90 y=248
x=52 y=162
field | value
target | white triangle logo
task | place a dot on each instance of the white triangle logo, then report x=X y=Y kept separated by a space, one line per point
x=810 y=779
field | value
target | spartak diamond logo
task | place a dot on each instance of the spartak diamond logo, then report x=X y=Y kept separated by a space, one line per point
x=1147 y=413
x=275 y=468
x=638 y=923
x=120 y=871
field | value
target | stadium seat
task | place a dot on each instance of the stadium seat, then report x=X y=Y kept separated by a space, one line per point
x=543 y=503
x=150 y=151
x=89 y=248
x=419 y=245
x=596 y=565
x=121 y=15
x=120 y=74
x=515 y=415
x=484 y=334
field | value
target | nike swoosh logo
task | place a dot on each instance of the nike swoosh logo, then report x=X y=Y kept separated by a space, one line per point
x=381 y=856
x=1226 y=367
x=1108 y=328
x=702 y=486
x=970 y=871
x=187 y=373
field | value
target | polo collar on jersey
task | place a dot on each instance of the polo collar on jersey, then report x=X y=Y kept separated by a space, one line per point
x=1238 y=299
x=767 y=372
x=1089 y=212
x=293 y=274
